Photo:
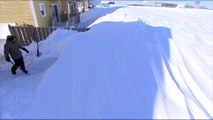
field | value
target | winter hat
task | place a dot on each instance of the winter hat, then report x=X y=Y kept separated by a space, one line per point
x=10 y=37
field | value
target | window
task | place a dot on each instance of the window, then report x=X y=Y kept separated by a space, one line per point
x=72 y=9
x=42 y=9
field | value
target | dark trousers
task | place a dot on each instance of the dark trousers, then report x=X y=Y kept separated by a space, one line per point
x=18 y=63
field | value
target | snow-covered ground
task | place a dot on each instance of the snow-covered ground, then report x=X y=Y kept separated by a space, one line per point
x=134 y=62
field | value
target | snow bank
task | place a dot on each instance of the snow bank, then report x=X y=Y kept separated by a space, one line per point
x=17 y=92
x=4 y=30
x=134 y=62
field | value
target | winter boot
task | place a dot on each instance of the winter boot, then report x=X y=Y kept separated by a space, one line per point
x=13 y=70
x=25 y=71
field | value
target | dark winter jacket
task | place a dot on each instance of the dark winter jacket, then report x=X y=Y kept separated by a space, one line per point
x=12 y=47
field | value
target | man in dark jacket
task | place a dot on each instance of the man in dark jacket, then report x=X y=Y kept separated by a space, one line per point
x=11 y=48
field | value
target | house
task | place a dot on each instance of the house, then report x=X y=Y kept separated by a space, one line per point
x=171 y=5
x=33 y=12
x=70 y=8
x=40 y=13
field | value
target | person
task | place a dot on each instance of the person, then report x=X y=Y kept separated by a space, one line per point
x=11 y=49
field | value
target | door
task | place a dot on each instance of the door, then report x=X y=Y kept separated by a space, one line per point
x=55 y=13
x=71 y=7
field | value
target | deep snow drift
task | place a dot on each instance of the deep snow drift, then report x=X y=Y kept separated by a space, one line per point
x=134 y=62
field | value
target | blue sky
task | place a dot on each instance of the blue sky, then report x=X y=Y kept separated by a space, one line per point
x=207 y=3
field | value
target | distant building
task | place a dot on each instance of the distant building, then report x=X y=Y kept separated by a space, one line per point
x=169 y=5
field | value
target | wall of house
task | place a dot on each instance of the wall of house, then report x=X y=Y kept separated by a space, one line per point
x=18 y=11
x=46 y=20
x=83 y=5
x=64 y=7
x=86 y=5
x=80 y=4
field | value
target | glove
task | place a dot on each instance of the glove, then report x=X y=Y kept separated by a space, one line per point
x=24 y=49
x=27 y=51
x=8 y=59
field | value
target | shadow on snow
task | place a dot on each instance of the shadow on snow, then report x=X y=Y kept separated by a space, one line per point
x=108 y=74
